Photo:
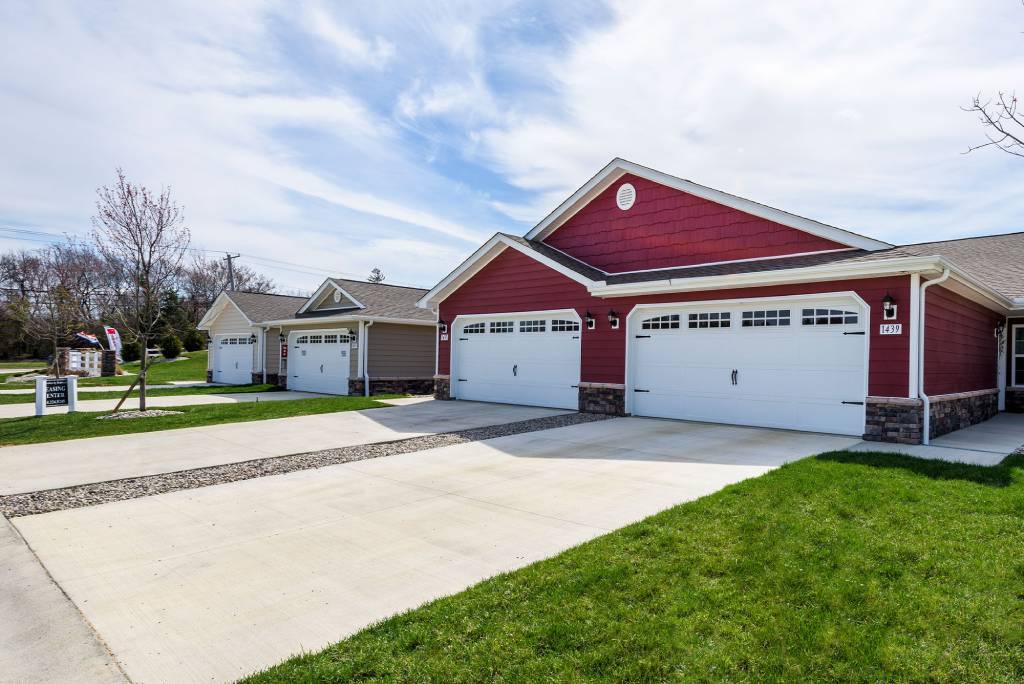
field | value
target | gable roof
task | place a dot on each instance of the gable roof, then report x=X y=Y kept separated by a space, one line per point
x=259 y=307
x=617 y=168
x=376 y=300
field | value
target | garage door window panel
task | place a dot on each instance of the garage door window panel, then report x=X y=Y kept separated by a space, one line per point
x=709 y=320
x=474 y=329
x=828 y=317
x=500 y=327
x=667 y=322
x=532 y=326
x=766 y=318
x=558 y=325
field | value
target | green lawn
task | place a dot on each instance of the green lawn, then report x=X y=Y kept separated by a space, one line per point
x=192 y=366
x=28 y=365
x=167 y=392
x=843 y=567
x=63 y=426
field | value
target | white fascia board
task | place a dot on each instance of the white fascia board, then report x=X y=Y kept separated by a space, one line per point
x=219 y=304
x=618 y=167
x=480 y=258
x=312 y=320
x=767 y=278
x=916 y=264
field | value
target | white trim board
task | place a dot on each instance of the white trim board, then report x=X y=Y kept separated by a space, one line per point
x=1013 y=357
x=618 y=167
x=219 y=304
x=322 y=289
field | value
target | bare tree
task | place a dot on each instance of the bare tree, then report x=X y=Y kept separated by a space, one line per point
x=1003 y=123
x=376 y=276
x=204 y=279
x=144 y=239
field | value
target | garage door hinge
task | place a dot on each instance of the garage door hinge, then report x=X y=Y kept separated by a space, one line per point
x=642 y=337
x=854 y=333
x=855 y=403
x=640 y=390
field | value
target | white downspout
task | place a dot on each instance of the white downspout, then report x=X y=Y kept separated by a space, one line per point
x=927 y=418
x=366 y=359
x=263 y=353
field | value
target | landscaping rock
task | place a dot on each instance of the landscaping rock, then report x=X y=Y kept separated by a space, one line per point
x=127 y=415
x=49 y=500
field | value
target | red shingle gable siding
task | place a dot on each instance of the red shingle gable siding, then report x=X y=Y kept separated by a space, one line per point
x=514 y=282
x=667 y=227
x=959 y=344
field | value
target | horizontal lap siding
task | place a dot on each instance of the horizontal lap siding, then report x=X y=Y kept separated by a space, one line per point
x=401 y=351
x=274 y=350
x=960 y=344
x=666 y=227
x=229 y=321
x=515 y=282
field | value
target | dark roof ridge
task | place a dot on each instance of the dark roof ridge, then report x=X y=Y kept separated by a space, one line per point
x=367 y=282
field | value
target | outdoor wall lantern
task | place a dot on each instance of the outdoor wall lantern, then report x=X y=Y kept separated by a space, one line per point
x=888 y=308
x=591 y=321
x=252 y=338
x=613 y=319
x=281 y=338
x=1000 y=329
x=442 y=326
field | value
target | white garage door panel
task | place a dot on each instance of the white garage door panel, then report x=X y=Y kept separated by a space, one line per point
x=319 y=361
x=794 y=376
x=232 y=359
x=532 y=368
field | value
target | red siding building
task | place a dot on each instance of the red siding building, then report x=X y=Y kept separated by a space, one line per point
x=646 y=294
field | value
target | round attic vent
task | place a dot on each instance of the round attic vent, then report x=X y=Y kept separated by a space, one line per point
x=625 y=196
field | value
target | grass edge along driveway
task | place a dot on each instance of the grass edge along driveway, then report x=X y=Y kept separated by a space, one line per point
x=189 y=366
x=65 y=426
x=841 y=567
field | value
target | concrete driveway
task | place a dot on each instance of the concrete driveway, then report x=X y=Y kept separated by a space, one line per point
x=33 y=467
x=227 y=397
x=213 y=583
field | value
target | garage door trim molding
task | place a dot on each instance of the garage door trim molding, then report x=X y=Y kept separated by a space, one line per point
x=460 y=318
x=639 y=309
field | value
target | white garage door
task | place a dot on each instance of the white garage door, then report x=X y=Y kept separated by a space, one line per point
x=232 y=360
x=319 y=362
x=524 y=359
x=797 y=365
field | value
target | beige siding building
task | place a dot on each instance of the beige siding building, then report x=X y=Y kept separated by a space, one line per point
x=350 y=337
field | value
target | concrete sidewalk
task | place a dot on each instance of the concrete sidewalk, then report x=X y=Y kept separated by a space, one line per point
x=43 y=637
x=984 y=444
x=32 y=467
x=21 y=410
x=207 y=585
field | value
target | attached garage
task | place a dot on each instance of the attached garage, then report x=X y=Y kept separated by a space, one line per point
x=319 y=360
x=799 y=364
x=232 y=359
x=523 y=358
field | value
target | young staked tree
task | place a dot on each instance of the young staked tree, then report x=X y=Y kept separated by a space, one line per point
x=144 y=240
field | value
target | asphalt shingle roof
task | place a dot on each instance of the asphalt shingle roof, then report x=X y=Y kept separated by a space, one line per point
x=265 y=307
x=385 y=301
x=994 y=260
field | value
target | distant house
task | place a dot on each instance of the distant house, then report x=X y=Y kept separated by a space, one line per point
x=650 y=295
x=350 y=337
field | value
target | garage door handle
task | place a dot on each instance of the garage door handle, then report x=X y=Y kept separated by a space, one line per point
x=462 y=379
x=854 y=333
x=735 y=377
x=515 y=370
x=321 y=368
x=640 y=390
x=643 y=337
x=855 y=403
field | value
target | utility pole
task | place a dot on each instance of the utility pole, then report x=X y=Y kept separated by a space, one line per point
x=231 y=270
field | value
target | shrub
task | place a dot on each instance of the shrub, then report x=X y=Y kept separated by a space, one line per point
x=170 y=346
x=131 y=351
x=194 y=340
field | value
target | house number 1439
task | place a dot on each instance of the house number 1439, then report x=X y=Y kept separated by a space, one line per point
x=890 y=329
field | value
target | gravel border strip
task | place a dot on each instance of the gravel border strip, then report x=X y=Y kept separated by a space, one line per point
x=79 y=496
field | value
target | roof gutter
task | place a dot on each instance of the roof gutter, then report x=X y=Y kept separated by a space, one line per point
x=927 y=418
x=342 y=319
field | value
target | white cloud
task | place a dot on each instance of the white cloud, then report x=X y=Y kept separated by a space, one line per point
x=350 y=47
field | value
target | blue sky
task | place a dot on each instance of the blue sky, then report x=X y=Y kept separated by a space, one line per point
x=343 y=136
